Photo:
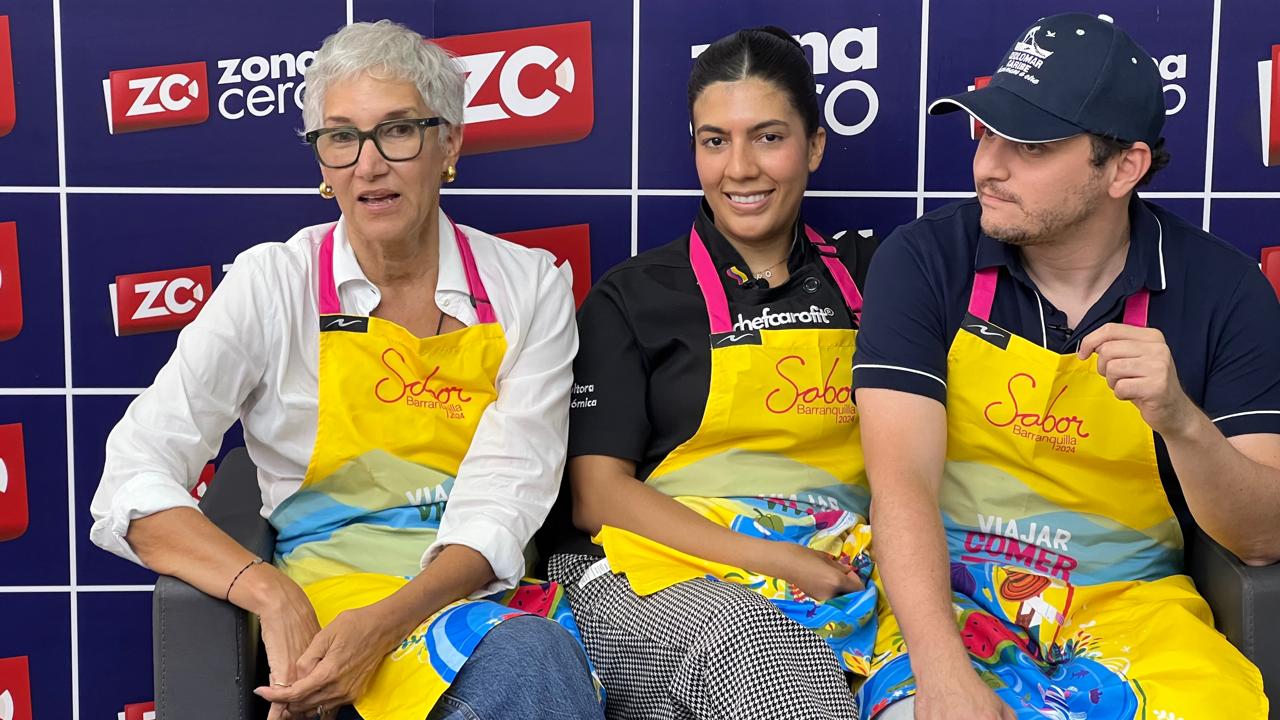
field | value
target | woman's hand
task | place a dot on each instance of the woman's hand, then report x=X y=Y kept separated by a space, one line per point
x=815 y=573
x=338 y=664
x=288 y=622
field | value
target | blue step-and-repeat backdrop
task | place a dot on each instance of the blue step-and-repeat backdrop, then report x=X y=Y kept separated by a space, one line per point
x=144 y=143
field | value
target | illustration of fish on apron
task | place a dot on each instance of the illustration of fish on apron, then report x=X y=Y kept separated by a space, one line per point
x=1065 y=553
x=776 y=456
x=397 y=414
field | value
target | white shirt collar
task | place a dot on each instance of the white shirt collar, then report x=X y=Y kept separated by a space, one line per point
x=346 y=269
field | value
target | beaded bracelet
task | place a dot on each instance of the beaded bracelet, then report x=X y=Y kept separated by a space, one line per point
x=255 y=561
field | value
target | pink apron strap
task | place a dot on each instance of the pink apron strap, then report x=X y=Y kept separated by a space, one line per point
x=984 y=293
x=328 y=296
x=475 y=286
x=709 y=282
x=844 y=281
x=1135 y=308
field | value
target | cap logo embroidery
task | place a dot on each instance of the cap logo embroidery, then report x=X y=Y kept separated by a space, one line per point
x=1029 y=45
x=1026 y=57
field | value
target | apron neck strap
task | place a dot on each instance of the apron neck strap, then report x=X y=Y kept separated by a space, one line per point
x=704 y=269
x=330 y=304
x=983 y=296
x=831 y=258
x=479 y=296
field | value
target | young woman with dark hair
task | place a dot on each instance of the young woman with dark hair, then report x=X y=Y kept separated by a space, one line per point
x=714 y=449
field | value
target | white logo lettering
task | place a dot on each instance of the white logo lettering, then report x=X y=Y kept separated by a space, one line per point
x=265 y=99
x=769 y=319
x=835 y=53
x=4 y=476
x=167 y=290
x=143 y=104
x=1173 y=67
x=6 y=706
x=479 y=68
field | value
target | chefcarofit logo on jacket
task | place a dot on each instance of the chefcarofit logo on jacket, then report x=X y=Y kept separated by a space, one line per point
x=172 y=95
x=8 y=104
x=10 y=282
x=769 y=319
x=13 y=483
x=160 y=300
x=15 y=689
x=571 y=246
x=847 y=51
x=1269 y=103
x=526 y=87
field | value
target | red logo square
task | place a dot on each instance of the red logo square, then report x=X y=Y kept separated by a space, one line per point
x=15 y=689
x=13 y=483
x=10 y=282
x=570 y=244
x=156 y=97
x=526 y=87
x=160 y=300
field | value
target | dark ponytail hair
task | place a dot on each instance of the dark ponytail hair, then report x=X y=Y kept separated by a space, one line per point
x=767 y=53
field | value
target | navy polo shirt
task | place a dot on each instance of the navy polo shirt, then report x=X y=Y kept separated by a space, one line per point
x=1218 y=313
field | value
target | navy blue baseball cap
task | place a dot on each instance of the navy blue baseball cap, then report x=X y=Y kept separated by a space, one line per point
x=1069 y=74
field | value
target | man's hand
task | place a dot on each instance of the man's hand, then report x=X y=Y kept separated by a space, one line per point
x=1139 y=368
x=338 y=665
x=960 y=695
x=815 y=573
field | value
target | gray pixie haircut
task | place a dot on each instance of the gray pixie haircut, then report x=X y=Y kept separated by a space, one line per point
x=388 y=51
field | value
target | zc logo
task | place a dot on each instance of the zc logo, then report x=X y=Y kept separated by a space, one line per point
x=156 y=97
x=526 y=87
x=1269 y=100
x=570 y=244
x=15 y=689
x=161 y=300
x=10 y=282
x=8 y=107
x=13 y=484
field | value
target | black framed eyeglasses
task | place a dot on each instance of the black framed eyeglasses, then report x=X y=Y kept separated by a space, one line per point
x=397 y=140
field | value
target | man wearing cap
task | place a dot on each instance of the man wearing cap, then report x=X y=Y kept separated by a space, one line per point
x=1054 y=378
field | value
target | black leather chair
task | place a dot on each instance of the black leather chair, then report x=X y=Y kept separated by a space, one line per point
x=208 y=657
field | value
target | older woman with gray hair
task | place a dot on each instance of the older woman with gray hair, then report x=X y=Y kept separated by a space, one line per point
x=403 y=384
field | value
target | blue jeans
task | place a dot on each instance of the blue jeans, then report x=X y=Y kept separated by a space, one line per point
x=525 y=667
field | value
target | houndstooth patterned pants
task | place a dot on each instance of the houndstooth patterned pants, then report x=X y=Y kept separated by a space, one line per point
x=699 y=650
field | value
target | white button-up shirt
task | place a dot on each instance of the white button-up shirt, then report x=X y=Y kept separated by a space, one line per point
x=252 y=354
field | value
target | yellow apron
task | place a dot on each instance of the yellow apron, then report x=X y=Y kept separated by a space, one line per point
x=776 y=456
x=396 y=416
x=1065 y=554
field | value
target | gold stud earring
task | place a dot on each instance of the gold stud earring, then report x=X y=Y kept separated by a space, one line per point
x=326 y=191
x=450 y=174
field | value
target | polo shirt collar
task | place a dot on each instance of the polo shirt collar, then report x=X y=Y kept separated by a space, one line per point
x=1143 y=266
x=728 y=259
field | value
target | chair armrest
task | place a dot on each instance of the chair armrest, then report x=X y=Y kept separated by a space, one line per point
x=1245 y=602
x=206 y=650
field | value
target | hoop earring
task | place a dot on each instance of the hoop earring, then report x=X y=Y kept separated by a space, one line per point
x=450 y=174
x=326 y=191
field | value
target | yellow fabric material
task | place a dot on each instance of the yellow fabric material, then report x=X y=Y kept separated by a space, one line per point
x=389 y=400
x=1061 y=534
